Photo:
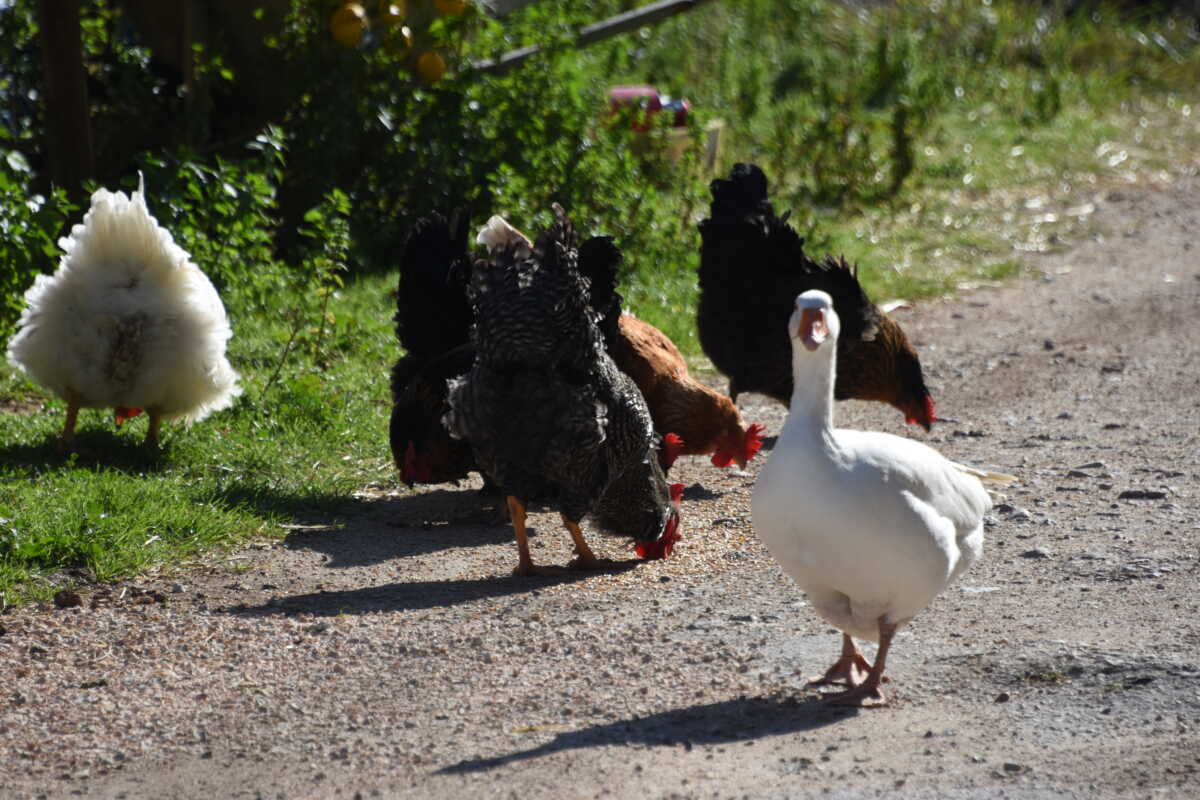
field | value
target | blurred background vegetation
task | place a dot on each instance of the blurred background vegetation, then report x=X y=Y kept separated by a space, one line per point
x=244 y=116
x=289 y=145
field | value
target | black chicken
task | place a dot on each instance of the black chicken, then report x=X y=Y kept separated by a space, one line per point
x=547 y=412
x=433 y=323
x=752 y=267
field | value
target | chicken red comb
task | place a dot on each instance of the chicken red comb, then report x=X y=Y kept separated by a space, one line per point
x=753 y=441
x=662 y=546
x=672 y=447
x=121 y=414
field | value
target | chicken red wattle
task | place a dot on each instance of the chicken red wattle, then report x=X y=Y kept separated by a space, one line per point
x=672 y=447
x=924 y=416
x=415 y=469
x=662 y=546
x=749 y=447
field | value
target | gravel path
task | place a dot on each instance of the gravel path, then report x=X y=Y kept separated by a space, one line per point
x=390 y=654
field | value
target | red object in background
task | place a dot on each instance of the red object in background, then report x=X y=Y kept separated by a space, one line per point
x=648 y=99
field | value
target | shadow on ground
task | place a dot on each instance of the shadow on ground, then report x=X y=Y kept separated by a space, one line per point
x=384 y=529
x=728 y=721
x=408 y=596
x=104 y=449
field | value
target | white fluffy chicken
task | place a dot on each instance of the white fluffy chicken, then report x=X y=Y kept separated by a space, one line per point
x=127 y=321
x=870 y=525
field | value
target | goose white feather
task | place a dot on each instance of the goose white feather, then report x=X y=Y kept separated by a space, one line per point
x=126 y=321
x=870 y=525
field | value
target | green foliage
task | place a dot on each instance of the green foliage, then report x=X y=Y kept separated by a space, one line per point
x=223 y=214
x=29 y=228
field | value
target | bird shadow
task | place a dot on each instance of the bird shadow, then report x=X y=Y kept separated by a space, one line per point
x=698 y=491
x=92 y=448
x=308 y=508
x=362 y=543
x=729 y=721
x=410 y=596
x=376 y=530
x=380 y=529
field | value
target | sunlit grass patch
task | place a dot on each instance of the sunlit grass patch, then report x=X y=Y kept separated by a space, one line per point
x=295 y=449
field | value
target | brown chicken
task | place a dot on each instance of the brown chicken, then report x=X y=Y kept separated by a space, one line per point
x=706 y=420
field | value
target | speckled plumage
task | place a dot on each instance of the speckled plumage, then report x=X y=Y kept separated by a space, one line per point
x=433 y=323
x=546 y=411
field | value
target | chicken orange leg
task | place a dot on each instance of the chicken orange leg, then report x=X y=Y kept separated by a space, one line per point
x=152 y=430
x=525 y=565
x=868 y=692
x=584 y=558
x=66 y=440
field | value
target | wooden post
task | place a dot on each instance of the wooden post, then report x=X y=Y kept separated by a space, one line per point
x=64 y=82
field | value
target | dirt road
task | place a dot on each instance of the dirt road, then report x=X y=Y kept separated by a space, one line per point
x=389 y=653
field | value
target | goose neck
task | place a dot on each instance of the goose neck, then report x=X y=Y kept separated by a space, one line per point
x=813 y=377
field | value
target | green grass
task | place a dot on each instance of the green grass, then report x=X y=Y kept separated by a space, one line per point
x=296 y=452
x=1013 y=131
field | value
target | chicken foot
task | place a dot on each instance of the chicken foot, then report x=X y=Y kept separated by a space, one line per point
x=525 y=565
x=584 y=559
x=868 y=693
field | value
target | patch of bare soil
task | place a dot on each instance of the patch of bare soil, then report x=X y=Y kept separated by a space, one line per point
x=389 y=653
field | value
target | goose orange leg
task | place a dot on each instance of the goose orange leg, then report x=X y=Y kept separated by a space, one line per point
x=869 y=693
x=845 y=670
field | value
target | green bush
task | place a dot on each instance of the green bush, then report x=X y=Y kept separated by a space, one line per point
x=29 y=227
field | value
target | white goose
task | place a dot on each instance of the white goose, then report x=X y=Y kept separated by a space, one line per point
x=870 y=525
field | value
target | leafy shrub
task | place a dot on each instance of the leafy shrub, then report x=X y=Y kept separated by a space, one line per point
x=29 y=227
x=223 y=214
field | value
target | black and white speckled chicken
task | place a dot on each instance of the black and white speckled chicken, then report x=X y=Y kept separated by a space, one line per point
x=547 y=412
x=433 y=323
